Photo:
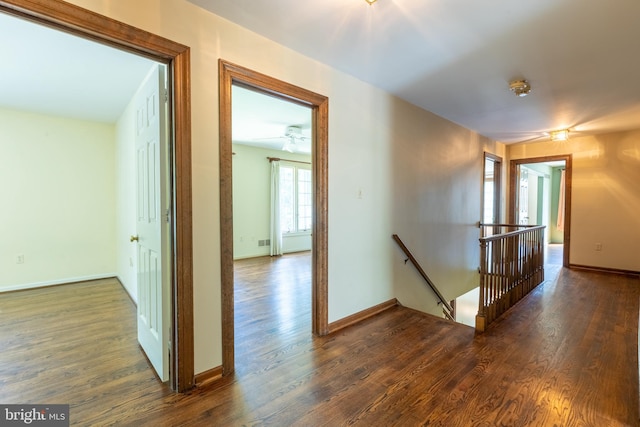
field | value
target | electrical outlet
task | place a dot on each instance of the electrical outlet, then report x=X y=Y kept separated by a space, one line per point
x=20 y=259
x=598 y=246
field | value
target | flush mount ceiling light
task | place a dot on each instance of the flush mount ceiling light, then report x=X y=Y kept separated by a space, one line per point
x=370 y=2
x=559 y=135
x=520 y=87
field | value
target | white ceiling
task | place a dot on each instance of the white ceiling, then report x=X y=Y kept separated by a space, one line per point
x=51 y=72
x=262 y=120
x=456 y=57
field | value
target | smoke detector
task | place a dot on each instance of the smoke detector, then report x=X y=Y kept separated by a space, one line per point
x=520 y=87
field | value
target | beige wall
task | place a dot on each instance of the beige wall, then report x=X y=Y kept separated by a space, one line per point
x=606 y=196
x=436 y=181
x=57 y=180
x=418 y=175
x=252 y=199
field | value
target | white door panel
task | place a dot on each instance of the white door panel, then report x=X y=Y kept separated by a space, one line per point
x=153 y=283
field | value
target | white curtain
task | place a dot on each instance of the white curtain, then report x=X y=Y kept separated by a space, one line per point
x=560 y=222
x=276 y=233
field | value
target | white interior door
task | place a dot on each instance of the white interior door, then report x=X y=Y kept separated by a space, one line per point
x=152 y=222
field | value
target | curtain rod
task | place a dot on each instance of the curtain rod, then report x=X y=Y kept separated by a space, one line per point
x=273 y=159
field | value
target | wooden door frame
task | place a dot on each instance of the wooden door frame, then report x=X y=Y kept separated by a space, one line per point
x=90 y=25
x=230 y=74
x=513 y=191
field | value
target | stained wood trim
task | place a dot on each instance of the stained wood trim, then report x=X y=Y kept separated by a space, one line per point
x=278 y=159
x=183 y=342
x=513 y=186
x=205 y=378
x=230 y=74
x=90 y=25
x=362 y=315
x=226 y=221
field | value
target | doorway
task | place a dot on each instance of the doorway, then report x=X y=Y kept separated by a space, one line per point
x=272 y=163
x=83 y=23
x=491 y=189
x=230 y=75
x=491 y=213
x=535 y=200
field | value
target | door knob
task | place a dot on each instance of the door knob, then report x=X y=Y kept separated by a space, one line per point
x=134 y=238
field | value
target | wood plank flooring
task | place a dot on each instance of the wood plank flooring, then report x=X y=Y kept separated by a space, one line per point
x=565 y=356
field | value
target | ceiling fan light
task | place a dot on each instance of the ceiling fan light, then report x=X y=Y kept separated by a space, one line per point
x=293 y=132
x=559 y=135
x=520 y=87
x=289 y=145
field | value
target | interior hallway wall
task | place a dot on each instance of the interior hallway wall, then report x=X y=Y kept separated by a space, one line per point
x=605 y=196
x=57 y=177
x=367 y=201
x=437 y=183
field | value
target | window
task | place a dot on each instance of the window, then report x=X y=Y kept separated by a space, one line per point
x=295 y=199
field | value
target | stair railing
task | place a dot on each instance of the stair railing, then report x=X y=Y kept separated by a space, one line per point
x=446 y=307
x=511 y=265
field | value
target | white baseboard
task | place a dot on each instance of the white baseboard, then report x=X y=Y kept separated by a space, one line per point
x=56 y=282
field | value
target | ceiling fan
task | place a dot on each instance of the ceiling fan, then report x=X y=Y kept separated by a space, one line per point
x=292 y=134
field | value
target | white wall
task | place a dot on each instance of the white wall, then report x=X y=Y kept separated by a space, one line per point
x=252 y=200
x=418 y=175
x=58 y=194
x=605 y=197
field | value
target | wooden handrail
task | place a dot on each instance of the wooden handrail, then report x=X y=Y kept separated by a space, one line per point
x=509 y=233
x=482 y=224
x=433 y=287
x=503 y=228
x=511 y=265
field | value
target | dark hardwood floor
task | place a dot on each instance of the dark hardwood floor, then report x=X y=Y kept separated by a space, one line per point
x=566 y=355
x=74 y=344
